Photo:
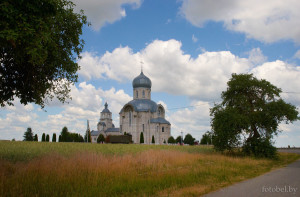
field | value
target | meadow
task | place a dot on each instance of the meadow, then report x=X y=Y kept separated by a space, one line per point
x=78 y=169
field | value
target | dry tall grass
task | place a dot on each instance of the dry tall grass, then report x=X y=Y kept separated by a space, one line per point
x=147 y=173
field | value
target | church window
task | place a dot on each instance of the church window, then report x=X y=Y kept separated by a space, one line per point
x=130 y=118
x=163 y=129
x=137 y=94
x=159 y=112
x=143 y=93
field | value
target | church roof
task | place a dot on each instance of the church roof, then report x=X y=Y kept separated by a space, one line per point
x=95 y=133
x=113 y=130
x=159 y=120
x=141 y=81
x=140 y=105
x=105 y=110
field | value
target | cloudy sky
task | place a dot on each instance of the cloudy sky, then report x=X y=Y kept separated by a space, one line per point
x=189 y=49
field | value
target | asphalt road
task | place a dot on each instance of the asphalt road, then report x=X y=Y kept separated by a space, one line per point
x=282 y=182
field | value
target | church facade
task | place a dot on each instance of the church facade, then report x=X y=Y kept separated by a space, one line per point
x=139 y=117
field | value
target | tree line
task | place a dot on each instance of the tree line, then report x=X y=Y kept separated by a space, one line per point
x=65 y=136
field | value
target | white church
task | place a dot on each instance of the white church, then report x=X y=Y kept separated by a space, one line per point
x=141 y=115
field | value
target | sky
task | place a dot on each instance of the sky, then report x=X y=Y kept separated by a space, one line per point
x=188 y=48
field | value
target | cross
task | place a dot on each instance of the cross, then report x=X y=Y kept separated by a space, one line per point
x=142 y=65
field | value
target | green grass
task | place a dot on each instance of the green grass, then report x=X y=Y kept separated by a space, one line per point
x=76 y=169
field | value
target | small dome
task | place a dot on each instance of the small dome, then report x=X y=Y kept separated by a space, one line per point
x=141 y=81
x=105 y=110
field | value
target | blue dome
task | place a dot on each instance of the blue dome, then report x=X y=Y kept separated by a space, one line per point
x=140 y=105
x=105 y=110
x=141 y=81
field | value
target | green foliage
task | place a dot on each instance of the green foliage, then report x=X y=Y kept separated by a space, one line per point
x=54 y=137
x=43 y=137
x=28 y=135
x=47 y=138
x=188 y=139
x=252 y=108
x=40 y=41
x=260 y=147
x=206 y=138
x=66 y=136
x=101 y=138
x=35 y=138
x=171 y=140
x=89 y=138
x=142 y=138
x=153 y=140
x=59 y=138
x=179 y=140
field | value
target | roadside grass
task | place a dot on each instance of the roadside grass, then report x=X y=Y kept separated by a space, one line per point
x=75 y=169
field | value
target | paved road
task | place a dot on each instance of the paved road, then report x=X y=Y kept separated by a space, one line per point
x=282 y=182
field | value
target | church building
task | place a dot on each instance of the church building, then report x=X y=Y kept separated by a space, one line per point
x=142 y=115
x=139 y=117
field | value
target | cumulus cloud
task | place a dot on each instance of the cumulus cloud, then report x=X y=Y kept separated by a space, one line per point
x=170 y=69
x=282 y=75
x=195 y=120
x=267 y=21
x=102 y=12
x=87 y=103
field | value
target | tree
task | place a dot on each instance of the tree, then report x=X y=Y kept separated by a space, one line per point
x=59 y=138
x=141 y=138
x=65 y=135
x=89 y=136
x=206 y=138
x=188 y=139
x=171 y=140
x=28 y=135
x=47 y=138
x=35 y=138
x=179 y=140
x=153 y=140
x=251 y=108
x=43 y=137
x=39 y=44
x=100 y=139
x=54 y=137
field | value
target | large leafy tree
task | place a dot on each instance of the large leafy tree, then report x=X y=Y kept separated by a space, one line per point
x=251 y=111
x=206 y=138
x=28 y=135
x=188 y=139
x=39 y=43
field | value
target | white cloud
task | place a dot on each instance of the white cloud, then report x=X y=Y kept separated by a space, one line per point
x=256 y=56
x=86 y=105
x=282 y=75
x=267 y=21
x=195 y=121
x=102 y=12
x=170 y=69
x=194 y=38
x=297 y=54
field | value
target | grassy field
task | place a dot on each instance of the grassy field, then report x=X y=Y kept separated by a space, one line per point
x=77 y=169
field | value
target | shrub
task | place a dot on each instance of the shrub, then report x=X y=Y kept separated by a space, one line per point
x=260 y=147
x=171 y=140
x=153 y=140
x=142 y=138
x=43 y=137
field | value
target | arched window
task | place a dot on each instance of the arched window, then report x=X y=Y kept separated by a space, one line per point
x=143 y=93
x=159 y=113
x=137 y=94
x=163 y=129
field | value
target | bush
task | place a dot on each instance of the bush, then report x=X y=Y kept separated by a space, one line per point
x=260 y=147
x=100 y=138
x=43 y=137
x=142 y=138
x=47 y=138
x=171 y=140
x=153 y=140
x=54 y=137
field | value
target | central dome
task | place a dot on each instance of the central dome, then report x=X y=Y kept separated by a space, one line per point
x=141 y=81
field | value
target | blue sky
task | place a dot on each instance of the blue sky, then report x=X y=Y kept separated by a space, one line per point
x=189 y=49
